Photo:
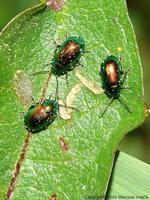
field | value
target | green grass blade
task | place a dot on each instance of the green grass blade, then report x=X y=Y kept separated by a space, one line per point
x=130 y=178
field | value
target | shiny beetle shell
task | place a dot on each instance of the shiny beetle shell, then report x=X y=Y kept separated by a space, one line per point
x=67 y=55
x=111 y=72
x=40 y=115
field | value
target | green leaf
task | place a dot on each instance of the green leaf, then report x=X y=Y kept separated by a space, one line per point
x=7 y=12
x=131 y=178
x=27 y=44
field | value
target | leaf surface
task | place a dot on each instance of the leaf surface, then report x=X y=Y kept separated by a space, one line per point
x=28 y=44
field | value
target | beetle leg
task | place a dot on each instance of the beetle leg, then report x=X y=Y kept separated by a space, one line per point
x=125 y=105
x=22 y=114
x=87 y=51
x=79 y=63
x=107 y=106
x=33 y=100
x=120 y=58
x=59 y=64
x=48 y=64
x=56 y=44
x=125 y=88
x=66 y=35
x=125 y=75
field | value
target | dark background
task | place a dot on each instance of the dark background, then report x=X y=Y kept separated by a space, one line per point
x=137 y=143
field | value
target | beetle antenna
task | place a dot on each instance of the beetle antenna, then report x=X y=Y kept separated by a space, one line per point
x=125 y=75
x=64 y=106
x=107 y=106
x=125 y=105
x=40 y=72
x=57 y=89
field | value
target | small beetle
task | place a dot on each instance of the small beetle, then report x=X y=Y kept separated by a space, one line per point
x=113 y=79
x=40 y=115
x=67 y=56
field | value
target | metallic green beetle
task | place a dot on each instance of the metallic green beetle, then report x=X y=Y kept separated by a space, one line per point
x=67 y=55
x=113 y=78
x=39 y=115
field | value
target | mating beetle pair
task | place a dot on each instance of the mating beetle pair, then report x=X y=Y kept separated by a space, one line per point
x=66 y=58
